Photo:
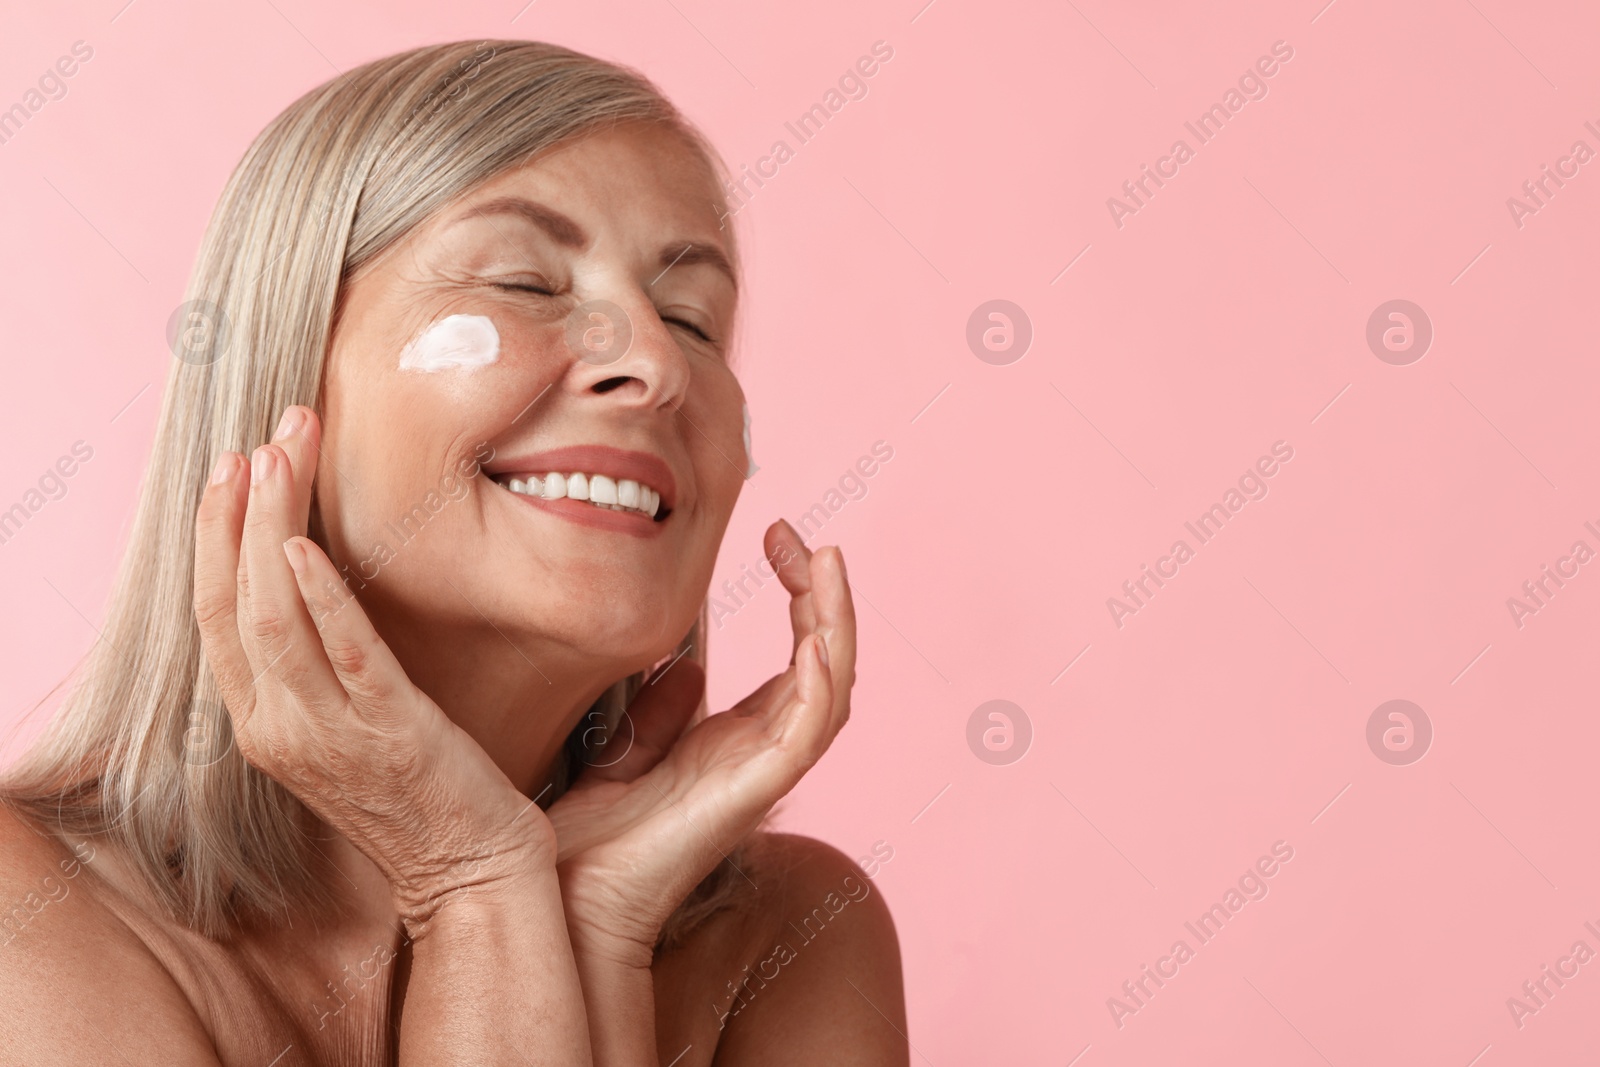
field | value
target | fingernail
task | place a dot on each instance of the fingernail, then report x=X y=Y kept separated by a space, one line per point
x=822 y=649
x=260 y=465
x=297 y=555
x=288 y=424
x=225 y=467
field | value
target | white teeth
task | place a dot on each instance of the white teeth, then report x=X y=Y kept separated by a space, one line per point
x=616 y=494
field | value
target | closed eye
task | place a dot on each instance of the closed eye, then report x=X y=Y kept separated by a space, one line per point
x=691 y=327
x=685 y=323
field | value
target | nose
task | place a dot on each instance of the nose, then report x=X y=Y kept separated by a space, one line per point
x=626 y=354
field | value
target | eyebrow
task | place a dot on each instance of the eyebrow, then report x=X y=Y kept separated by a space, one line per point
x=561 y=229
x=564 y=231
x=688 y=253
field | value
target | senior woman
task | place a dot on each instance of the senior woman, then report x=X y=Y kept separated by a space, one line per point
x=394 y=747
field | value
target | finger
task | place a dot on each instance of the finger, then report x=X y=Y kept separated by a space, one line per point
x=804 y=727
x=791 y=559
x=821 y=603
x=219 y=523
x=764 y=694
x=276 y=629
x=788 y=555
x=835 y=613
x=653 y=723
x=299 y=434
x=363 y=663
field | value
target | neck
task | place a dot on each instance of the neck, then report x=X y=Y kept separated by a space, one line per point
x=517 y=698
x=518 y=701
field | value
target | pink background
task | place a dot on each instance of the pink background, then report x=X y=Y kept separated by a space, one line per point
x=1228 y=313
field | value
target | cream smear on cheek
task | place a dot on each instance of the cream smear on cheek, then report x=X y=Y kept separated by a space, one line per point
x=750 y=459
x=464 y=341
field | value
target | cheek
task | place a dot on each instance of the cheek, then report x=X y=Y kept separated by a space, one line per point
x=388 y=496
x=407 y=411
x=724 y=451
x=464 y=342
x=466 y=374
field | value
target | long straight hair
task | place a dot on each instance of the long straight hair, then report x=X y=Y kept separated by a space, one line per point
x=140 y=750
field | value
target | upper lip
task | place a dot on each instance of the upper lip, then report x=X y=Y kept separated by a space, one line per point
x=614 y=463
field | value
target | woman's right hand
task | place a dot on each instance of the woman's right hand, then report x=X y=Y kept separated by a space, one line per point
x=319 y=703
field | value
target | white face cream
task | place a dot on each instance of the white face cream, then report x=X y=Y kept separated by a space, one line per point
x=465 y=341
x=750 y=459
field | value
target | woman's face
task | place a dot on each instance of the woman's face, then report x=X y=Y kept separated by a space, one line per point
x=470 y=342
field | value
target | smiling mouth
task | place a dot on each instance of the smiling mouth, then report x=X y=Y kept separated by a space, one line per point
x=598 y=490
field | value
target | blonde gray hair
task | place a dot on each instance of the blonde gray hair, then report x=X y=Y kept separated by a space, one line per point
x=333 y=181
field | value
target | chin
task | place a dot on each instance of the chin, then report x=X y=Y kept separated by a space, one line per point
x=633 y=636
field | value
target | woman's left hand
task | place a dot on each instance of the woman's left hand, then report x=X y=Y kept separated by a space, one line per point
x=634 y=837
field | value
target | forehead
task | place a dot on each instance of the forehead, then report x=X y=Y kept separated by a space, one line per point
x=635 y=178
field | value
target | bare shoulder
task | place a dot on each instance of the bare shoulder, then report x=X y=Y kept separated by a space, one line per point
x=68 y=964
x=818 y=977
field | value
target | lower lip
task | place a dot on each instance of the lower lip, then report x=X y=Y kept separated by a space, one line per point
x=586 y=514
